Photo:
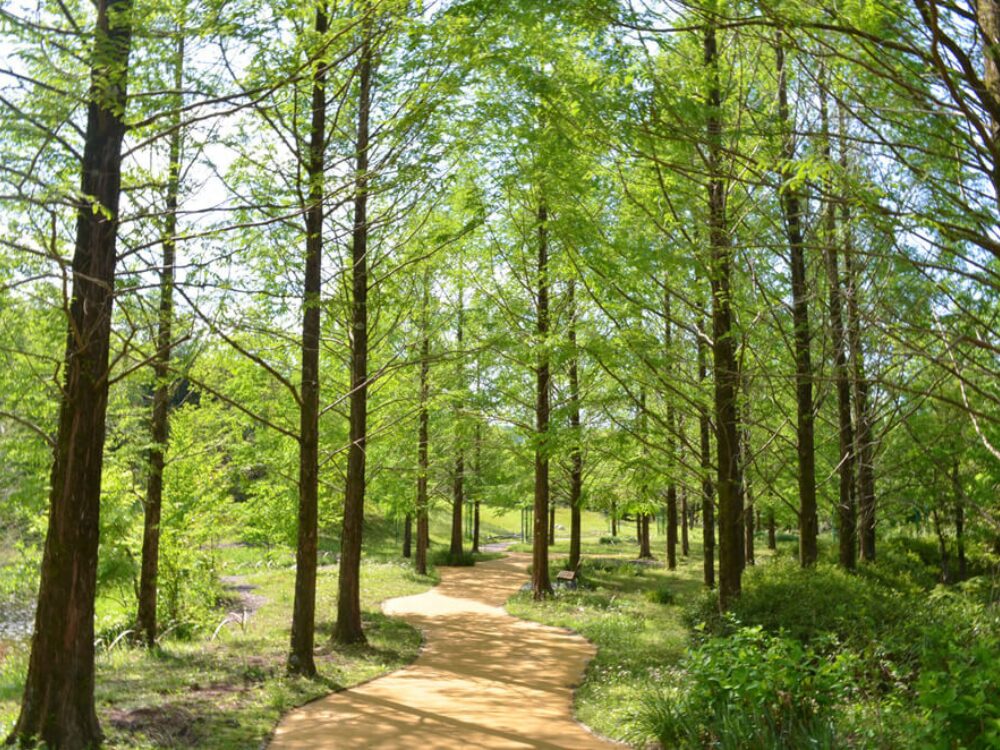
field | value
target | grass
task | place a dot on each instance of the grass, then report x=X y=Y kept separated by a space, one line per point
x=229 y=692
x=633 y=614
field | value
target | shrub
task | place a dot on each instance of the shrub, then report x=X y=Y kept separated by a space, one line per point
x=444 y=558
x=661 y=595
x=609 y=540
x=959 y=683
x=748 y=690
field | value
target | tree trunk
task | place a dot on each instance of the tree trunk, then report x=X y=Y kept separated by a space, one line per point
x=750 y=529
x=348 y=628
x=300 y=659
x=707 y=490
x=772 y=532
x=146 y=622
x=963 y=566
x=540 y=583
x=423 y=433
x=671 y=444
x=576 y=453
x=685 y=543
x=58 y=703
x=723 y=343
x=408 y=536
x=479 y=476
x=846 y=509
x=864 y=446
x=458 y=488
x=614 y=520
x=792 y=211
x=942 y=548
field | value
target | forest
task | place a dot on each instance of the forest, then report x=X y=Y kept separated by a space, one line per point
x=690 y=308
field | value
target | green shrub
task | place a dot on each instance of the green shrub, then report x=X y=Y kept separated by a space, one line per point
x=749 y=690
x=609 y=540
x=661 y=595
x=958 y=688
x=443 y=558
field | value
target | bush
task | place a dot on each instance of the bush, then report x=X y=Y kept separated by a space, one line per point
x=749 y=690
x=444 y=558
x=809 y=604
x=660 y=595
x=959 y=683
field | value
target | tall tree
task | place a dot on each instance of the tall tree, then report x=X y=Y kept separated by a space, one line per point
x=146 y=621
x=300 y=659
x=791 y=206
x=58 y=703
x=348 y=629
x=541 y=585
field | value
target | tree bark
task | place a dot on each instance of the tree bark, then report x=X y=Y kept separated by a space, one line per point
x=864 y=446
x=707 y=490
x=792 y=211
x=846 y=508
x=723 y=343
x=348 y=628
x=540 y=582
x=963 y=565
x=58 y=703
x=458 y=487
x=671 y=444
x=423 y=434
x=146 y=621
x=300 y=658
x=479 y=484
x=772 y=535
x=685 y=519
x=408 y=536
x=576 y=452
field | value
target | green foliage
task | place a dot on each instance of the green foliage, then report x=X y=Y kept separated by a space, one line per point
x=750 y=689
x=444 y=558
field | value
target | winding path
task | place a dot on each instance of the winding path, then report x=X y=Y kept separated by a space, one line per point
x=484 y=679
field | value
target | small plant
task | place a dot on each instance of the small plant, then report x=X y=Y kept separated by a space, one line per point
x=661 y=595
x=609 y=540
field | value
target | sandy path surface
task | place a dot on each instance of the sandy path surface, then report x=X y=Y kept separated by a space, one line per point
x=484 y=679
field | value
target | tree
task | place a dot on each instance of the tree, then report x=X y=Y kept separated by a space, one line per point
x=58 y=702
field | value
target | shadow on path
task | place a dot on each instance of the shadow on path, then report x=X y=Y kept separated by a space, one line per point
x=484 y=679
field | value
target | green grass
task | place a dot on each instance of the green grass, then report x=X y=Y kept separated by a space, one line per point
x=229 y=692
x=618 y=608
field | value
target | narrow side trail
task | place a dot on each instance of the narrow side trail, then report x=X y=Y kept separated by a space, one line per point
x=484 y=679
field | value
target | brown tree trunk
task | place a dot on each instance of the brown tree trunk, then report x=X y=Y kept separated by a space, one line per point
x=792 y=210
x=707 y=490
x=614 y=520
x=671 y=444
x=942 y=548
x=58 y=703
x=576 y=453
x=750 y=529
x=423 y=433
x=772 y=535
x=963 y=566
x=146 y=622
x=685 y=519
x=723 y=343
x=348 y=628
x=408 y=536
x=540 y=583
x=479 y=483
x=645 y=550
x=846 y=509
x=458 y=488
x=300 y=658
x=864 y=446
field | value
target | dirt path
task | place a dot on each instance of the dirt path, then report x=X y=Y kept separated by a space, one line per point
x=484 y=679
